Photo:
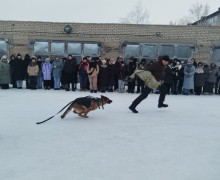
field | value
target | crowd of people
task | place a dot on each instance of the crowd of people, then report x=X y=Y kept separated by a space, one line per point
x=102 y=74
x=192 y=78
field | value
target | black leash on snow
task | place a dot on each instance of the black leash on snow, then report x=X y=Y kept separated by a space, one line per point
x=55 y=114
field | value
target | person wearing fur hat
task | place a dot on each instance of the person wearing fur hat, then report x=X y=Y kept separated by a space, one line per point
x=157 y=70
x=5 y=73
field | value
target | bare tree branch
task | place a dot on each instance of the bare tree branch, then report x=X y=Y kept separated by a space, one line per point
x=139 y=15
x=197 y=11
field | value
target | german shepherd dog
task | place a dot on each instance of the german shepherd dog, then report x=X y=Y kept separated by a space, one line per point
x=82 y=106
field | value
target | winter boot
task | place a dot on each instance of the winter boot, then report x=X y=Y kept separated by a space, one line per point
x=132 y=108
x=160 y=105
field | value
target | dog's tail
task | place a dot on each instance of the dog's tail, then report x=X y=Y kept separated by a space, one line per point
x=55 y=114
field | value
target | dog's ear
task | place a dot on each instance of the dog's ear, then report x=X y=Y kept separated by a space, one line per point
x=102 y=97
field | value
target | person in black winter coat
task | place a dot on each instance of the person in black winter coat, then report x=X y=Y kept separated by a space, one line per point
x=179 y=71
x=111 y=74
x=27 y=61
x=169 y=77
x=40 y=74
x=118 y=66
x=199 y=79
x=12 y=65
x=103 y=73
x=140 y=83
x=217 y=83
x=131 y=68
x=20 y=71
x=122 y=77
x=69 y=70
x=83 y=76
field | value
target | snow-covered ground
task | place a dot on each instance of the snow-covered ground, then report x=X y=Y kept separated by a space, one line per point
x=181 y=142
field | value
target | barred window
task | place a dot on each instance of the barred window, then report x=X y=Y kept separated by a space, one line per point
x=58 y=48
x=74 y=49
x=92 y=50
x=41 y=48
x=166 y=50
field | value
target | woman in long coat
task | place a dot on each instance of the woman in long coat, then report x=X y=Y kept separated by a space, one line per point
x=211 y=76
x=69 y=72
x=199 y=78
x=103 y=73
x=20 y=71
x=93 y=71
x=111 y=74
x=57 y=67
x=83 y=66
x=47 y=69
x=5 y=73
x=188 y=82
x=12 y=62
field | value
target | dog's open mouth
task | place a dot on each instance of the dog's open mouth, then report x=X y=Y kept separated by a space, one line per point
x=109 y=101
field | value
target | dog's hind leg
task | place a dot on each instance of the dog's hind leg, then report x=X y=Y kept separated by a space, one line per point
x=66 y=112
x=83 y=115
x=74 y=111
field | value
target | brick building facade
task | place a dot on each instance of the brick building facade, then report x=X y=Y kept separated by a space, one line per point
x=111 y=39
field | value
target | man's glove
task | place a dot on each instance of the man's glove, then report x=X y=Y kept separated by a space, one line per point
x=129 y=79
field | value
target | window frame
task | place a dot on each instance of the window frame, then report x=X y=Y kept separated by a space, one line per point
x=158 y=45
x=41 y=53
x=64 y=48
x=65 y=54
x=186 y=45
x=148 y=57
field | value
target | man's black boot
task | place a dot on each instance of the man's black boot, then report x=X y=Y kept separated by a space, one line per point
x=160 y=105
x=132 y=108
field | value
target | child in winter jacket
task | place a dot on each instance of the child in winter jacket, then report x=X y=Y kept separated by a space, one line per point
x=33 y=70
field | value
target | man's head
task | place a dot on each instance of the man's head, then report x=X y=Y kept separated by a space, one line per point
x=165 y=60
